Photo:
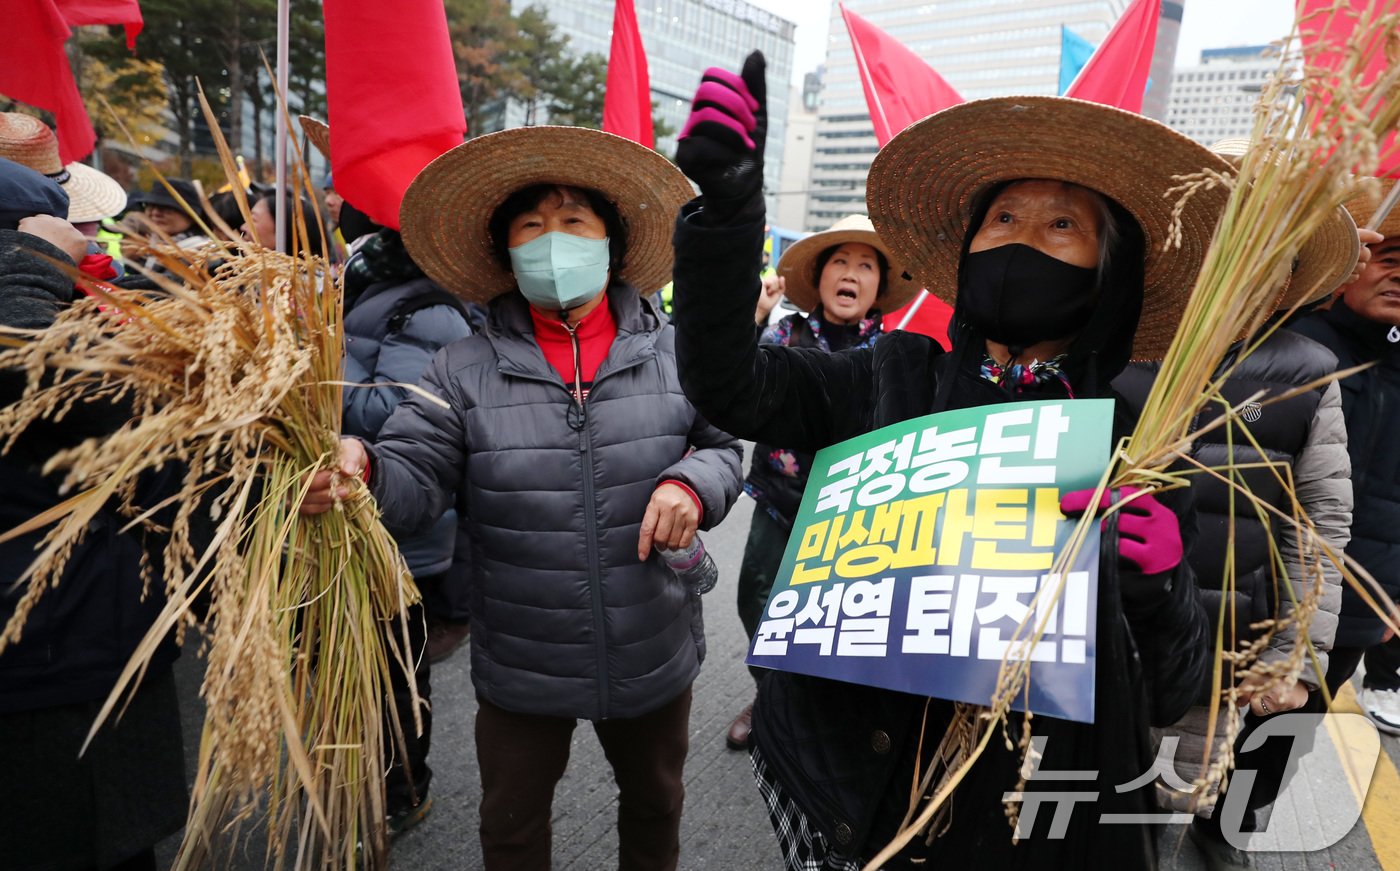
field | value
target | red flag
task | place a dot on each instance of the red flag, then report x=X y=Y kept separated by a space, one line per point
x=124 y=12
x=1322 y=31
x=1117 y=73
x=391 y=97
x=35 y=71
x=627 y=101
x=899 y=87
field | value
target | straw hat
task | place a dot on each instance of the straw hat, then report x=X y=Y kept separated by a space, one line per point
x=92 y=194
x=447 y=209
x=318 y=133
x=924 y=182
x=1363 y=204
x=798 y=265
x=1325 y=261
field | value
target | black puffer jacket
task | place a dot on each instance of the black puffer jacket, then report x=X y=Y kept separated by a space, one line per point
x=565 y=620
x=1371 y=404
x=78 y=638
x=1306 y=434
x=846 y=753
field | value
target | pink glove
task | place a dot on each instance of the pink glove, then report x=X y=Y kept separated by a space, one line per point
x=1149 y=535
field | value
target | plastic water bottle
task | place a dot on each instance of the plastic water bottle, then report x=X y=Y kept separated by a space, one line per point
x=692 y=566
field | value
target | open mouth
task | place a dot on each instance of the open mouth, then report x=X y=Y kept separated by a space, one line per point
x=845 y=293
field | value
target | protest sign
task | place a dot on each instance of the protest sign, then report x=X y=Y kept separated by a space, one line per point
x=920 y=547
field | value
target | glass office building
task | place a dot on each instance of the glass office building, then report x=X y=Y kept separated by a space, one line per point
x=682 y=39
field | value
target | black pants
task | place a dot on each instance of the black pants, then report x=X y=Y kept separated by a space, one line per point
x=408 y=776
x=763 y=555
x=1382 y=666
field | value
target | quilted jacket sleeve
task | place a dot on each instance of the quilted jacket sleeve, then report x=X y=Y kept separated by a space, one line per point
x=802 y=398
x=713 y=470
x=1170 y=628
x=1322 y=480
x=416 y=465
x=402 y=358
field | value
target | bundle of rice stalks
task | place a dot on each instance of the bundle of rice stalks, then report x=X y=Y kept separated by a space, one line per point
x=231 y=371
x=1319 y=132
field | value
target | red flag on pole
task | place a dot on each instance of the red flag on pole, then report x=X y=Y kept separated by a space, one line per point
x=391 y=97
x=627 y=101
x=900 y=88
x=123 y=12
x=35 y=71
x=1325 y=26
x=1116 y=74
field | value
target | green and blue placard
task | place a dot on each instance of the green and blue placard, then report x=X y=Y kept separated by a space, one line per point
x=920 y=547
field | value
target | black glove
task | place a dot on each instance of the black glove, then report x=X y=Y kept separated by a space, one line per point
x=721 y=145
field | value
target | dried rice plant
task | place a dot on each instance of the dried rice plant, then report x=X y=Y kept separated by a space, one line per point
x=1318 y=132
x=231 y=372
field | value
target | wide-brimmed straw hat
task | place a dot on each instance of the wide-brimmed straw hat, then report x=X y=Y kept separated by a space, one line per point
x=92 y=194
x=318 y=133
x=798 y=265
x=1325 y=261
x=925 y=181
x=1363 y=205
x=447 y=210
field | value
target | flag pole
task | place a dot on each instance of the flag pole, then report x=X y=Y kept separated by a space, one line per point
x=280 y=144
x=913 y=309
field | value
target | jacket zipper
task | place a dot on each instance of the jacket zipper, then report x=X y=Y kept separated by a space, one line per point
x=590 y=526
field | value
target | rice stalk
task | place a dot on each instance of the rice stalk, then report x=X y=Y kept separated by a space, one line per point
x=231 y=374
x=1318 y=132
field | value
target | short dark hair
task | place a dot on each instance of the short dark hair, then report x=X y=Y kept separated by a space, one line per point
x=528 y=198
x=880 y=258
x=292 y=203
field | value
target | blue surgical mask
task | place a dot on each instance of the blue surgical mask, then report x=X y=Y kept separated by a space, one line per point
x=560 y=271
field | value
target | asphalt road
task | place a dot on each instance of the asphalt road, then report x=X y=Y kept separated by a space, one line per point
x=725 y=826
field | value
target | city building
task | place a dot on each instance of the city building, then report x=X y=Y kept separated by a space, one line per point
x=1215 y=99
x=682 y=39
x=984 y=48
x=794 y=184
x=1159 y=77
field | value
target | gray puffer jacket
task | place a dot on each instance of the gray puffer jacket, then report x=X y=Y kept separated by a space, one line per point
x=565 y=620
x=390 y=337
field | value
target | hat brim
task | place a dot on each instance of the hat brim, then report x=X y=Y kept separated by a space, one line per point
x=798 y=268
x=318 y=133
x=924 y=182
x=447 y=210
x=1325 y=261
x=92 y=195
x=1363 y=204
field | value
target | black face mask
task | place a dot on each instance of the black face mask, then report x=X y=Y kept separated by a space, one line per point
x=1019 y=296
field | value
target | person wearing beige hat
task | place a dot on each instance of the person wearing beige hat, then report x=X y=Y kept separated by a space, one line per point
x=1043 y=220
x=1305 y=435
x=841 y=280
x=561 y=433
x=92 y=194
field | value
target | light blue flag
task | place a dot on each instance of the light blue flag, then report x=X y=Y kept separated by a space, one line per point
x=1075 y=52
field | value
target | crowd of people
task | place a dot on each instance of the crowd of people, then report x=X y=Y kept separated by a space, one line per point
x=566 y=429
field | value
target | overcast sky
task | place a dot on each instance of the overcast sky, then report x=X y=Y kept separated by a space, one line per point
x=1207 y=24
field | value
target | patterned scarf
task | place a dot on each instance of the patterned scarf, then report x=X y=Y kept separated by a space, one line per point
x=1019 y=377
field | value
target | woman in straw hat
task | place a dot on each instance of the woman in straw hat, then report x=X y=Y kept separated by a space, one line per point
x=1042 y=220
x=841 y=279
x=563 y=436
